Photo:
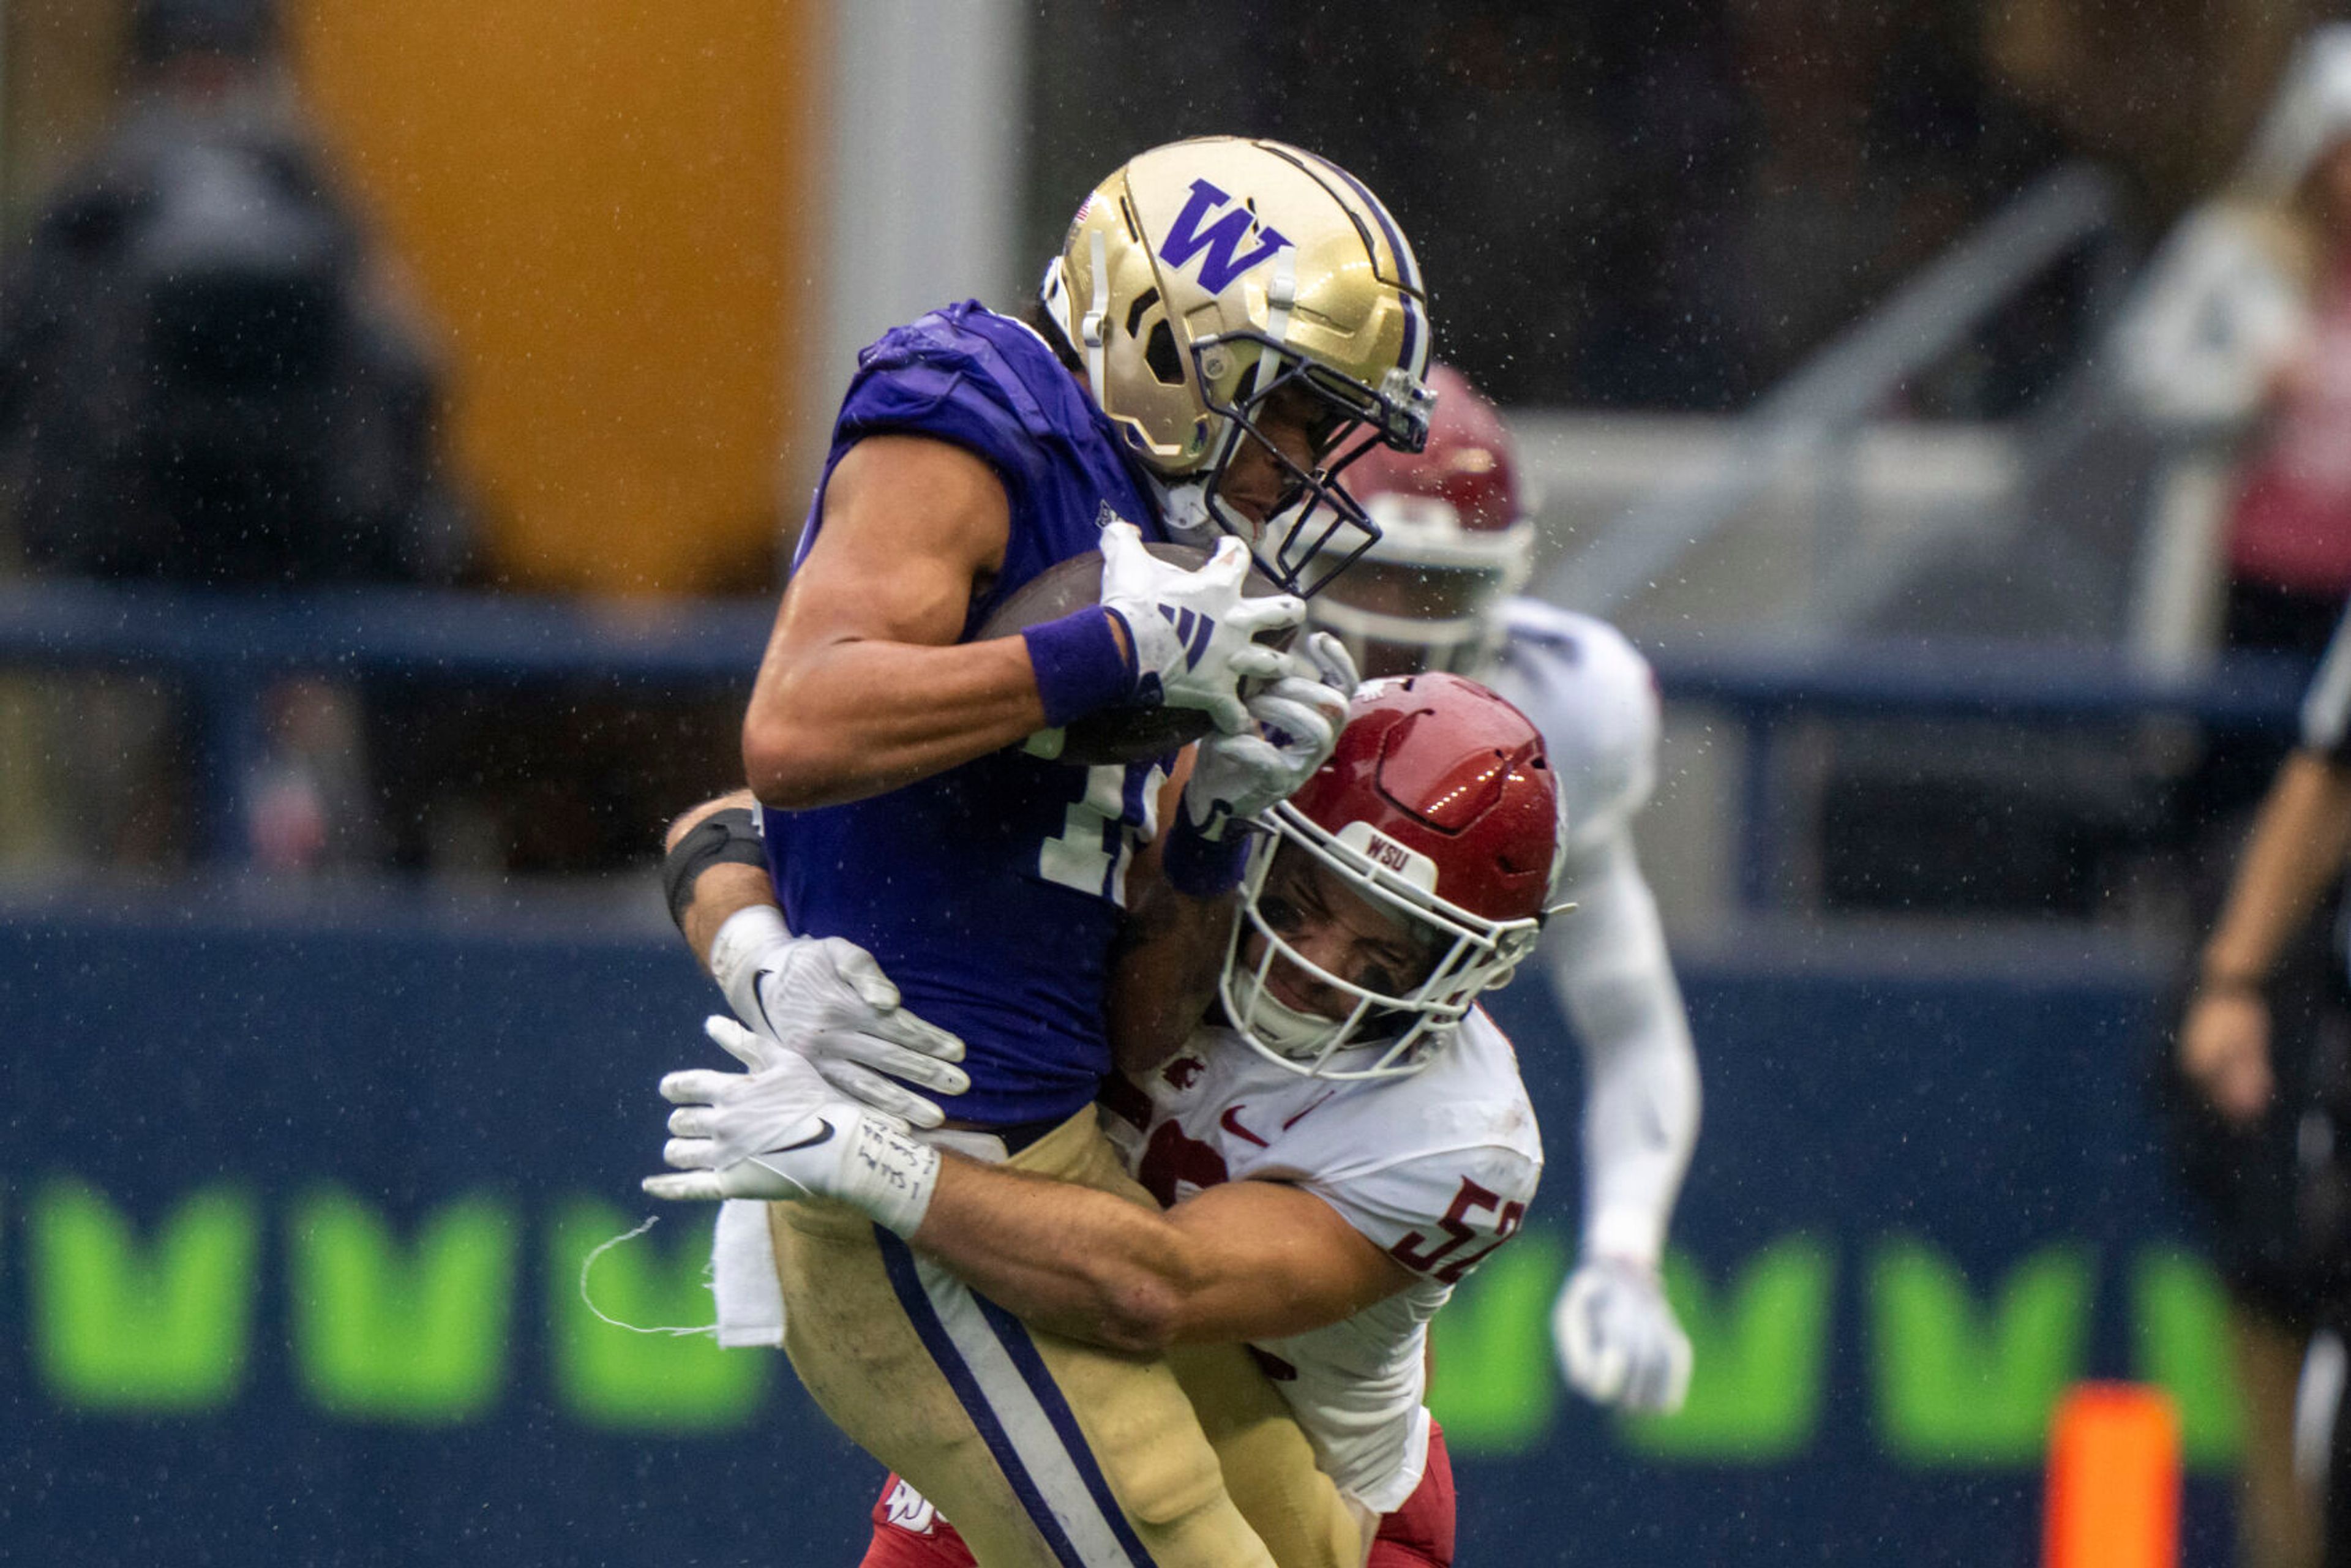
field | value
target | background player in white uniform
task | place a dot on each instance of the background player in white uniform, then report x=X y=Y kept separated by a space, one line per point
x=1435 y=591
x=1347 y=1142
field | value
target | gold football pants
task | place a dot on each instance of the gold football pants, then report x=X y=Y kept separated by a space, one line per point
x=1042 y=1451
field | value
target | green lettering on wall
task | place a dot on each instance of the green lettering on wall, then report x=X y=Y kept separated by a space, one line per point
x=162 y=1328
x=610 y=1377
x=1960 y=1386
x=1758 y=1357
x=1496 y=1387
x=2179 y=1330
x=392 y=1331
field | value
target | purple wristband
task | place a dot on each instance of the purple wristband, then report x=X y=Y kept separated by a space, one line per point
x=1079 y=664
x=1199 y=867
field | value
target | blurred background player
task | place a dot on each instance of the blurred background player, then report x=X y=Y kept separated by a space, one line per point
x=208 y=377
x=1229 y=315
x=2238 y=348
x=1337 y=1143
x=2295 y=854
x=2238 y=351
x=1435 y=591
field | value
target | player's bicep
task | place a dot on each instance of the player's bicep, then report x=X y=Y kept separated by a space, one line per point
x=1442 y=1214
x=910 y=529
x=1275 y=1259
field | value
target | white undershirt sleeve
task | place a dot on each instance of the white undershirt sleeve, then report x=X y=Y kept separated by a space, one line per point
x=1607 y=959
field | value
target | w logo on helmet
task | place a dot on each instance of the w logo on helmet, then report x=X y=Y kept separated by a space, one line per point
x=1217 y=244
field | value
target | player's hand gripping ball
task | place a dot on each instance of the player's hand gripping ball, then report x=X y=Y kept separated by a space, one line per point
x=1135 y=732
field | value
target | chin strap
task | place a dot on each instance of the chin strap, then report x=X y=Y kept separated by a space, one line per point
x=1280 y=294
x=1184 y=512
x=1090 y=328
x=1272 y=1023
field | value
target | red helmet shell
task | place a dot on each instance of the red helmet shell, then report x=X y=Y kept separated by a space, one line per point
x=1468 y=464
x=1446 y=768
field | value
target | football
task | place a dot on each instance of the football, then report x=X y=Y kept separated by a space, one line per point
x=1114 y=734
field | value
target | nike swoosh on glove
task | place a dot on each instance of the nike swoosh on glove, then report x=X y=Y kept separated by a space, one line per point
x=827 y=998
x=782 y=1133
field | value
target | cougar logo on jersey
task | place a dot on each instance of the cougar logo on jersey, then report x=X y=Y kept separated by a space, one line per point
x=1219 y=244
x=1181 y=1073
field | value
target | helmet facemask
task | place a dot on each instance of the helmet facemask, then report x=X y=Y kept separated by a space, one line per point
x=1315 y=529
x=1400 y=619
x=1430 y=595
x=1387 y=1029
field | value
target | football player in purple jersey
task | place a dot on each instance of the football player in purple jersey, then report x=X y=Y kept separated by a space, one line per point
x=1229 y=322
x=1338 y=1142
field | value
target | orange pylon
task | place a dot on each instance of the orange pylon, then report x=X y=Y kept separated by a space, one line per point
x=2113 y=1497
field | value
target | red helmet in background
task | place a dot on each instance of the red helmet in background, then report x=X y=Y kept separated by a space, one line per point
x=1439 y=807
x=1457 y=539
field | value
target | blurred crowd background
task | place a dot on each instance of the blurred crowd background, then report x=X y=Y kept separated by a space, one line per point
x=1951 y=396
x=324 y=294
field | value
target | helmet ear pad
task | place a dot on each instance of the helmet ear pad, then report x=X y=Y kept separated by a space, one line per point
x=1147 y=327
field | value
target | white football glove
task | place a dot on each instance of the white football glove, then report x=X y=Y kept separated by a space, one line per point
x=1192 y=633
x=1296 y=722
x=780 y=1132
x=828 y=999
x=1618 y=1340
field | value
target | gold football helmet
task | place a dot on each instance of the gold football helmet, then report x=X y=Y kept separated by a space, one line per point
x=1206 y=276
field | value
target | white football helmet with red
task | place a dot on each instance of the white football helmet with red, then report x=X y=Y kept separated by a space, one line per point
x=1438 y=809
x=1456 y=539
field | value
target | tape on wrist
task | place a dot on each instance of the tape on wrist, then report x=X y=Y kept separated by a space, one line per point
x=888 y=1175
x=724 y=837
x=1624 y=1232
x=1079 y=666
x=739 y=954
x=2223 y=983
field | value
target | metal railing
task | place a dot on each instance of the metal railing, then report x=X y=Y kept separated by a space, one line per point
x=1821 y=408
x=224 y=651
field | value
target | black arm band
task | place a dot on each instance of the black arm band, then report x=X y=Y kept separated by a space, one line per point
x=724 y=836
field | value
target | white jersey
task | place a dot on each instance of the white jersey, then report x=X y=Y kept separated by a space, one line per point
x=1591 y=696
x=1435 y=1169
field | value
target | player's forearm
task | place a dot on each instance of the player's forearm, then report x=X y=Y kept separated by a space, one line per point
x=858 y=718
x=1641 y=1095
x=1079 y=1262
x=1165 y=975
x=1640 y=1125
x=1241 y=1261
x=2298 y=844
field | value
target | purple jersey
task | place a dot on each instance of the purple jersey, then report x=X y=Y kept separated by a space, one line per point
x=990 y=892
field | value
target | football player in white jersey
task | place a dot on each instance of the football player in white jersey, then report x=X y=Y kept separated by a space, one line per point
x=1338 y=1145
x=1437 y=592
